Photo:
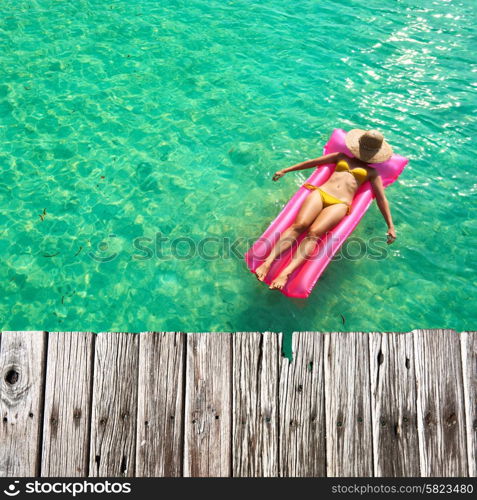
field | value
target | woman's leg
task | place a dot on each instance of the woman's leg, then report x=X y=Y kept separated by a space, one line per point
x=326 y=220
x=308 y=212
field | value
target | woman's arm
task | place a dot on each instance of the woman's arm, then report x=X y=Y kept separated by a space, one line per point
x=322 y=160
x=381 y=200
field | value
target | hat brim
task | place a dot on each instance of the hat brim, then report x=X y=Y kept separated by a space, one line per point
x=369 y=156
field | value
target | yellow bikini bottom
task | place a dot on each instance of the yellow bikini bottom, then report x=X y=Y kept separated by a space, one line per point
x=326 y=198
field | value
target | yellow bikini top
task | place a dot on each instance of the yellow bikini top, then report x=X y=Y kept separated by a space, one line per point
x=359 y=173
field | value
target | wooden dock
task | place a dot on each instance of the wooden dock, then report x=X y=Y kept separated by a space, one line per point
x=221 y=404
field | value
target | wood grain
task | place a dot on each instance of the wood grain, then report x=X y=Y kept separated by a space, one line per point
x=160 y=404
x=114 y=411
x=67 y=404
x=348 y=405
x=255 y=404
x=440 y=405
x=302 y=410
x=212 y=405
x=22 y=370
x=469 y=368
x=207 y=438
x=393 y=399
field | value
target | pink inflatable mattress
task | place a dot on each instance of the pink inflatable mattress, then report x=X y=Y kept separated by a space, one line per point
x=303 y=279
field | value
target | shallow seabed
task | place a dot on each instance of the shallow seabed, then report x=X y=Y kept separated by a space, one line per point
x=132 y=131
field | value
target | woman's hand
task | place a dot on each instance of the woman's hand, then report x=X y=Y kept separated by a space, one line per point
x=391 y=234
x=278 y=174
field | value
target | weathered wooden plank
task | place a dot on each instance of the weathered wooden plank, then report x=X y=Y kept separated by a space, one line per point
x=207 y=439
x=255 y=404
x=363 y=378
x=67 y=404
x=440 y=406
x=348 y=407
x=114 y=410
x=469 y=366
x=302 y=412
x=22 y=371
x=393 y=400
x=160 y=404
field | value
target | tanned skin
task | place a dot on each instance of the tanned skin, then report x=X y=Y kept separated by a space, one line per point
x=316 y=220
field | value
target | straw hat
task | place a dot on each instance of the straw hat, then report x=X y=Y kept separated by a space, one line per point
x=368 y=145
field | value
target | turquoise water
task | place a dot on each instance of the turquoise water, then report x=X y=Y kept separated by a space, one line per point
x=126 y=121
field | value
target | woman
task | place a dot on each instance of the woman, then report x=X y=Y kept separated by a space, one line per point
x=326 y=205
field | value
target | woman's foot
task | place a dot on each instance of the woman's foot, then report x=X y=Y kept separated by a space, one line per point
x=279 y=282
x=262 y=270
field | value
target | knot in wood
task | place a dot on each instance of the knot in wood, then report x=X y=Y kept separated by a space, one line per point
x=12 y=376
x=451 y=420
